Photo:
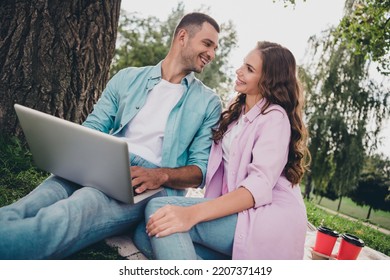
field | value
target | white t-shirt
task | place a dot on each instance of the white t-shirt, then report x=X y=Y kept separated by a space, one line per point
x=227 y=141
x=145 y=132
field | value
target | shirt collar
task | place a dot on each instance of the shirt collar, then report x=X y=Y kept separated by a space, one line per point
x=255 y=111
x=188 y=79
x=156 y=73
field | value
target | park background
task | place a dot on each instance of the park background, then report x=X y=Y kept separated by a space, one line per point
x=289 y=25
x=58 y=58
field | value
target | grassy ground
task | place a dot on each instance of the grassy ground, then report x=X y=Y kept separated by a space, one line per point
x=98 y=251
x=348 y=207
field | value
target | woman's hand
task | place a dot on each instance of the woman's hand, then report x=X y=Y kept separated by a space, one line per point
x=170 y=219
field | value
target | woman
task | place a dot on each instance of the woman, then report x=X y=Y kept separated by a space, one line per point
x=253 y=208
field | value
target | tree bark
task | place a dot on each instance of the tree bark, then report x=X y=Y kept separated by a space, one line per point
x=54 y=56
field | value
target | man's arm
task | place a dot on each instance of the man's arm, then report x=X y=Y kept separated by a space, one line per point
x=104 y=112
x=199 y=149
x=178 y=178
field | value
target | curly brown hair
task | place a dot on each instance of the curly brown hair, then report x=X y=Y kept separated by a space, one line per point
x=279 y=85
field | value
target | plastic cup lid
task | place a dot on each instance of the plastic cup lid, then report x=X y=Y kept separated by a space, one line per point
x=353 y=239
x=328 y=231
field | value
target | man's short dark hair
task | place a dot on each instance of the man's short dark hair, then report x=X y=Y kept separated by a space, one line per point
x=193 y=22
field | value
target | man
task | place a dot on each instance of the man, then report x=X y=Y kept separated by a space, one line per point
x=166 y=115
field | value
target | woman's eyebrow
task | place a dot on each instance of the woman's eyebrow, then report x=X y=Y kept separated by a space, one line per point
x=250 y=66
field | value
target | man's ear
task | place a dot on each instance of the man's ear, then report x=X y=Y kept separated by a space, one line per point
x=182 y=36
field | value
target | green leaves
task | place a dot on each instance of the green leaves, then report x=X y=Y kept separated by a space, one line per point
x=374 y=184
x=146 y=41
x=366 y=31
x=346 y=105
x=140 y=42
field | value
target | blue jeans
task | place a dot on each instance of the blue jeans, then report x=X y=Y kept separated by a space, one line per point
x=207 y=240
x=59 y=218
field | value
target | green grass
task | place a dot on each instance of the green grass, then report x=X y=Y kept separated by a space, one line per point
x=98 y=251
x=348 y=207
x=18 y=176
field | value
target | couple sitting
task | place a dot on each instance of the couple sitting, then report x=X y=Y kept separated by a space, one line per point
x=252 y=208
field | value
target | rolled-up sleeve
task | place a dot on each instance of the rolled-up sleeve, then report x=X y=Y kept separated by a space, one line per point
x=104 y=112
x=269 y=156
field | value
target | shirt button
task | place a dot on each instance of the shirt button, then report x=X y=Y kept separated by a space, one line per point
x=245 y=119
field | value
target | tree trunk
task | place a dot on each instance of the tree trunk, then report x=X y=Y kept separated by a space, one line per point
x=54 y=56
x=307 y=188
x=369 y=213
x=339 y=206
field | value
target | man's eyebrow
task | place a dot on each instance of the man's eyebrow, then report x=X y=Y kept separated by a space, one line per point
x=211 y=42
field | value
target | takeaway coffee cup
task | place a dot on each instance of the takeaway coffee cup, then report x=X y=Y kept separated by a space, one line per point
x=325 y=240
x=350 y=247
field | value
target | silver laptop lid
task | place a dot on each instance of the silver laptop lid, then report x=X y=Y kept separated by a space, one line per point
x=77 y=153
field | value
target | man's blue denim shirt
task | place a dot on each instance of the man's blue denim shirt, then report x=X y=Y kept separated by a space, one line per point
x=187 y=138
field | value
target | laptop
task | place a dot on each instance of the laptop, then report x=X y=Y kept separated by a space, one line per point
x=79 y=154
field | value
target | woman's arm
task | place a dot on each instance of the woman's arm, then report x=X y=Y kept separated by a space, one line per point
x=171 y=219
x=269 y=153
